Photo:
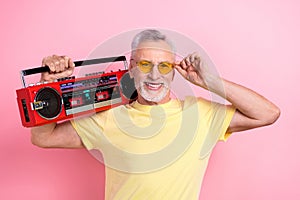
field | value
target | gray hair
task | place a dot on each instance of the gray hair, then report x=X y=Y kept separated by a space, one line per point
x=150 y=35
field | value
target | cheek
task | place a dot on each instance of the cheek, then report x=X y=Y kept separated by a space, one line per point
x=169 y=78
x=137 y=76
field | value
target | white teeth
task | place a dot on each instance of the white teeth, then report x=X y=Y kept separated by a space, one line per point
x=154 y=85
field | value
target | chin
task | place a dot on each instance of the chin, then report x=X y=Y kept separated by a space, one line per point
x=156 y=98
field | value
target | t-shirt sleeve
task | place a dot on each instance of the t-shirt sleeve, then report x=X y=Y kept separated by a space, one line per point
x=90 y=129
x=214 y=119
x=230 y=110
x=218 y=117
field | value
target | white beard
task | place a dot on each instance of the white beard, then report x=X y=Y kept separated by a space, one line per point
x=152 y=96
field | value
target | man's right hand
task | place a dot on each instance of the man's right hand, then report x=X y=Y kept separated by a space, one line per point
x=60 y=67
x=55 y=135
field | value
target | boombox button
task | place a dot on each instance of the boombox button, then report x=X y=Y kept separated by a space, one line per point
x=31 y=84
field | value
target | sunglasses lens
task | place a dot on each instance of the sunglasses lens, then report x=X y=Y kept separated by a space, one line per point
x=145 y=66
x=165 y=67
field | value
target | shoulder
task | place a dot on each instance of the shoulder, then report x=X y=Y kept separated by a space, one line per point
x=198 y=101
x=208 y=108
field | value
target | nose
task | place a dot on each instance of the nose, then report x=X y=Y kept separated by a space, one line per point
x=154 y=74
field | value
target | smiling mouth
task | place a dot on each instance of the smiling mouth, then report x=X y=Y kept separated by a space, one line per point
x=153 y=86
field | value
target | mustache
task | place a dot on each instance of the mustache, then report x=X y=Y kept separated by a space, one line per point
x=143 y=82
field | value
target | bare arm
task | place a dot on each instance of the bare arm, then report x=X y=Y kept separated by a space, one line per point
x=54 y=135
x=61 y=135
x=253 y=110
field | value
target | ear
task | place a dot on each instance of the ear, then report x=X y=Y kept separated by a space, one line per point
x=130 y=69
x=173 y=75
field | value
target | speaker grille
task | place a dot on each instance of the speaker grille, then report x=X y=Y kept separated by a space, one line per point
x=128 y=87
x=52 y=103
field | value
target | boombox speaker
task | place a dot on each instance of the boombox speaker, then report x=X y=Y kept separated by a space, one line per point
x=69 y=97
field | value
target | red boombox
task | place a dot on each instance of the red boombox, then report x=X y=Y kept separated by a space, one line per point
x=69 y=97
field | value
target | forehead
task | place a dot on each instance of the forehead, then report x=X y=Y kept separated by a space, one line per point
x=154 y=51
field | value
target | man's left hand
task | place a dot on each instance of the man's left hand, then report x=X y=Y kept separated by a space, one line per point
x=193 y=69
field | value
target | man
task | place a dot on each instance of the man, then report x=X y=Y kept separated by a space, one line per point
x=158 y=147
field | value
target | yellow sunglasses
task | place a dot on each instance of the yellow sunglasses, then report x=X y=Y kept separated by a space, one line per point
x=146 y=66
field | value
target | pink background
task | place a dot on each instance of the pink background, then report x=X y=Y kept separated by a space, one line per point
x=255 y=43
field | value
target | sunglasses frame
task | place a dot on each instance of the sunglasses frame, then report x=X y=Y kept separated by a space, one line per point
x=138 y=63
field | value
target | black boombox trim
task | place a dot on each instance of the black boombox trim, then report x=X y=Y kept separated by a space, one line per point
x=70 y=97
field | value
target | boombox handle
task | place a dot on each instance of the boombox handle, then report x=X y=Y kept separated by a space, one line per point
x=77 y=64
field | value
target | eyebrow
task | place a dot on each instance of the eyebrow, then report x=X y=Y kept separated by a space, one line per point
x=159 y=62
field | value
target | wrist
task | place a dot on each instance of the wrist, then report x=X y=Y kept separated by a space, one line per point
x=215 y=84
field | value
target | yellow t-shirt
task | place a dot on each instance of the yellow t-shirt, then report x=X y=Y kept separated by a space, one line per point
x=155 y=152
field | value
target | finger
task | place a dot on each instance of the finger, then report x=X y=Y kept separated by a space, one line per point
x=56 y=63
x=177 y=62
x=181 y=70
x=197 y=57
x=59 y=63
x=183 y=64
x=70 y=62
x=46 y=62
x=51 y=65
x=187 y=60
x=71 y=66
x=50 y=62
x=65 y=62
x=62 y=64
x=59 y=67
x=192 y=58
